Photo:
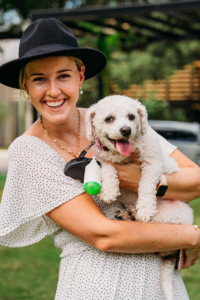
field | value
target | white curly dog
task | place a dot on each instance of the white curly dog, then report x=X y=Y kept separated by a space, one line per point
x=119 y=126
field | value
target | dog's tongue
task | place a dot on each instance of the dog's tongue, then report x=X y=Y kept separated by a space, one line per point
x=123 y=147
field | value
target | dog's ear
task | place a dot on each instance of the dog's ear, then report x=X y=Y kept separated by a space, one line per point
x=88 y=122
x=141 y=109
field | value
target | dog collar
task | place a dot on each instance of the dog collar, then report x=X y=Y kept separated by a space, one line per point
x=99 y=144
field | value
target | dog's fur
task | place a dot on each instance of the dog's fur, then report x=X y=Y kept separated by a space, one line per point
x=154 y=162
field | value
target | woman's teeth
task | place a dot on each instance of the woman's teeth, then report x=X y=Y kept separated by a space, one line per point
x=55 y=104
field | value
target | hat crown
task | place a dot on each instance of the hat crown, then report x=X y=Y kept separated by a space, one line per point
x=46 y=32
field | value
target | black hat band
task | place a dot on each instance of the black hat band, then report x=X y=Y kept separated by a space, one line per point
x=47 y=48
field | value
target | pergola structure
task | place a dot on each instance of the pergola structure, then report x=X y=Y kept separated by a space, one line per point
x=136 y=26
x=142 y=24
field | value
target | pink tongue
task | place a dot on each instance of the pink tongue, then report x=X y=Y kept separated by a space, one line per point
x=124 y=147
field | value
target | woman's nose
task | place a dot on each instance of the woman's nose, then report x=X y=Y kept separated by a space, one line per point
x=53 y=89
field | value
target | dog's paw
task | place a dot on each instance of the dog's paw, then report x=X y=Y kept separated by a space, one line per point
x=120 y=214
x=144 y=215
x=132 y=212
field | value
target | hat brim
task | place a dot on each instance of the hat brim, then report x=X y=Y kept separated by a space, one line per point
x=94 y=61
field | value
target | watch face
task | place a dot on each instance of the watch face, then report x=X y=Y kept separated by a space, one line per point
x=161 y=190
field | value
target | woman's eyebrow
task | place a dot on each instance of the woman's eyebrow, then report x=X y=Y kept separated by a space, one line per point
x=64 y=70
x=36 y=74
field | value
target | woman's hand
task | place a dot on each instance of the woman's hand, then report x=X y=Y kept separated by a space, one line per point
x=191 y=256
x=128 y=174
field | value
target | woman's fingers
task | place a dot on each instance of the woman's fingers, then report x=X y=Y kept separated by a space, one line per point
x=133 y=155
x=128 y=174
x=192 y=257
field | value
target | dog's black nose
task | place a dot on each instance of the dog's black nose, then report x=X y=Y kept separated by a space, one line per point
x=125 y=131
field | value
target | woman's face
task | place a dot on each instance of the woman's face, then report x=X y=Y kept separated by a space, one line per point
x=53 y=84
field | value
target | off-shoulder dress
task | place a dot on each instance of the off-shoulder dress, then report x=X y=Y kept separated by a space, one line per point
x=35 y=185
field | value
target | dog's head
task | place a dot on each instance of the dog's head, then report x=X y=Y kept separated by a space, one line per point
x=117 y=121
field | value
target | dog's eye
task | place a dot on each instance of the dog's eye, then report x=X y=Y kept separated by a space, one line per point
x=109 y=119
x=131 y=117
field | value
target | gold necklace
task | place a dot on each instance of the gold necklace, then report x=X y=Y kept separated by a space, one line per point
x=63 y=148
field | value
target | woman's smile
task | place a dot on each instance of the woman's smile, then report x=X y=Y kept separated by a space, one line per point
x=56 y=104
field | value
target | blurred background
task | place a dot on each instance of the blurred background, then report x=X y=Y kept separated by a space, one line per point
x=153 y=52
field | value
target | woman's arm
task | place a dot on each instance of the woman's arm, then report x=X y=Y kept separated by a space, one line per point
x=183 y=185
x=82 y=217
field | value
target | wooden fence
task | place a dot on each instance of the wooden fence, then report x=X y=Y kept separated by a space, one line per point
x=182 y=85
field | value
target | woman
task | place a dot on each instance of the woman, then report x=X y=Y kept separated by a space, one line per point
x=101 y=258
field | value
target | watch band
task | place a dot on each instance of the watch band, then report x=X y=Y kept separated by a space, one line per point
x=162 y=186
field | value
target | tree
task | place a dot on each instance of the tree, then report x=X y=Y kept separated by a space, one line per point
x=25 y=6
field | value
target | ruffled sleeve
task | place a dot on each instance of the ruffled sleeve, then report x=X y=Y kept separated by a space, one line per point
x=35 y=185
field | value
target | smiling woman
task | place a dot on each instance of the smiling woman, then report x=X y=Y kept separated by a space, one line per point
x=53 y=85
x=101 y=258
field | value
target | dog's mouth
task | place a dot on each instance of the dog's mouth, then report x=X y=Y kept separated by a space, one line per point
x=123 y=146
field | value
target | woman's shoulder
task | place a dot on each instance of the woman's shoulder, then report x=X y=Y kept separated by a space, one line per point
x=31 y=149
x=20 y=143
x=23 y=142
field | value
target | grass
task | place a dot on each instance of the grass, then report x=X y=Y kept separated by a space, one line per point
x=191 y=276
x=31 y=273
x=28 y=273
x=2 y=182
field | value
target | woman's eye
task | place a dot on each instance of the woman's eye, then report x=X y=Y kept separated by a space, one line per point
x=64 y=76
x=131 y=117
x=109 y=119
x=38 y=79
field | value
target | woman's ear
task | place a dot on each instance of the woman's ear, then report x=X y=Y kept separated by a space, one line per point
x=141 y=109
x=90 y=114
x=82 y=75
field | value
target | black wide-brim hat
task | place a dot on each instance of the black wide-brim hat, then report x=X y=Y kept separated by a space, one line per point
x=46 y=38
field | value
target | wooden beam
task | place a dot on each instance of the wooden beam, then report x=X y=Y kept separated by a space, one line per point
x=195 y=33
x=92 y=12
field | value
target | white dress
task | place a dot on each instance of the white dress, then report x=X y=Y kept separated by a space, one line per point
x=35 y=185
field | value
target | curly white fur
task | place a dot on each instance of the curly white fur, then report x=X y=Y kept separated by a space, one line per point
x=154 y=162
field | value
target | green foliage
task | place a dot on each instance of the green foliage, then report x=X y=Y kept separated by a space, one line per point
x=156 y=61
x=161 y=110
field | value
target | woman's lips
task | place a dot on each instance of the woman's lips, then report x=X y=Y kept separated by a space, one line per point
x=55 y=105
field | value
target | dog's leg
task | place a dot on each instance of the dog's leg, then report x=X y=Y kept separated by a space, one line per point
x=109 y=183
x=146 y=203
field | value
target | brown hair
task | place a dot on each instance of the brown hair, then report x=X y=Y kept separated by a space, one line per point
x=23 y=71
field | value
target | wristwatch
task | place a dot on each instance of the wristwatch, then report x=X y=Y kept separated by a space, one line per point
x=162 y=187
